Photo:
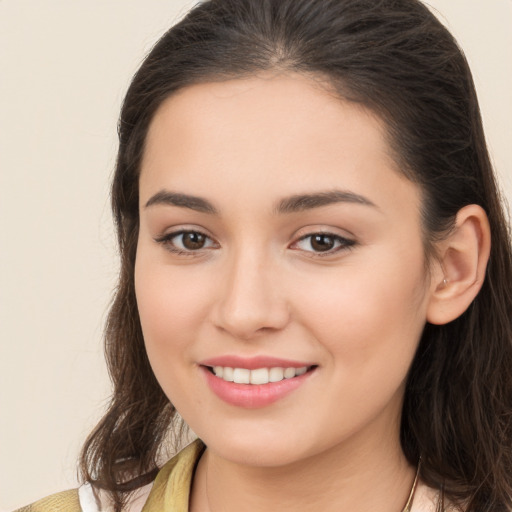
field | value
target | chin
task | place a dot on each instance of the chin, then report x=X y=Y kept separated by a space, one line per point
x=256 y=454
x=259 y=446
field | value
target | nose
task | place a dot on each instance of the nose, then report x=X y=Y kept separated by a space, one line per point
x=251 y=301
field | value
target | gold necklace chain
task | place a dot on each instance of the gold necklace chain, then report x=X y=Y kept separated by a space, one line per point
x=407 y=507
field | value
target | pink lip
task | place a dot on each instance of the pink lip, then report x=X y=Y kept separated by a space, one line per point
x=252 y=396
x=252 y=363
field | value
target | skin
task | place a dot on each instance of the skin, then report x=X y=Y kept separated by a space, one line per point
x=258 y=288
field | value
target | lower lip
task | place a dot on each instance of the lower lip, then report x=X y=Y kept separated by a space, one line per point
x=252 y=396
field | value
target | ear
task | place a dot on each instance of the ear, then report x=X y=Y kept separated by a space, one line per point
x=460 y=270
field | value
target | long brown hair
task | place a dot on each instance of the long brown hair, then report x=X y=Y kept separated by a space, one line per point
x=396 y=58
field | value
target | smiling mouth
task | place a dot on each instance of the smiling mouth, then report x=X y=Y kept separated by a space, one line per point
x=257 y=376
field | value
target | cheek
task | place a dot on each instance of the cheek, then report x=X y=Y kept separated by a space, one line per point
x=170 y=306
x=369 y=311
x=368 y=324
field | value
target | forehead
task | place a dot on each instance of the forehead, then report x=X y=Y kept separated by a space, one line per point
x=291 y=106
x=288 y=131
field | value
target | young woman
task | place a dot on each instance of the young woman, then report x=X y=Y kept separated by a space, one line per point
x=316 y=271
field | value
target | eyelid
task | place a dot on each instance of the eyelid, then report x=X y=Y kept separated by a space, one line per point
x=344 y=243
x=166 y=238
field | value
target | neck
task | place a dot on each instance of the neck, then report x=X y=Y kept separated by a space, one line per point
x=368 y=476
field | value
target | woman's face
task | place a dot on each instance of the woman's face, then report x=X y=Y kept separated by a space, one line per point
x=276 y=232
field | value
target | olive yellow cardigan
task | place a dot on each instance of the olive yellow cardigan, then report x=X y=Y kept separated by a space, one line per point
x=170 y=490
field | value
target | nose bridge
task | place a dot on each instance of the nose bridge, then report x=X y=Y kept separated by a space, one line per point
x=252 y=300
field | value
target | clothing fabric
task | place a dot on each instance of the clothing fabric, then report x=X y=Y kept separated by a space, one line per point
x=66 y=501
x=171 y=490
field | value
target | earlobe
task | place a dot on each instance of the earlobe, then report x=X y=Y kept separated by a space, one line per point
x=463 y=258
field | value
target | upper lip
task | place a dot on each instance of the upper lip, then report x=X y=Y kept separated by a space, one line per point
x=252 y=363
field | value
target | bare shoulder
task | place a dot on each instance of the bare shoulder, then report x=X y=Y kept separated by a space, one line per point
x=425 y=499
x=428 y=499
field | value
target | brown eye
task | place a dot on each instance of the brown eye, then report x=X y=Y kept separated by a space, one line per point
x=322 y=243
x=192 y=240
x=186 y=242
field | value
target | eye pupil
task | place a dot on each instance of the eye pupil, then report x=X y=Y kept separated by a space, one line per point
x=322 y=242
x=193 y=240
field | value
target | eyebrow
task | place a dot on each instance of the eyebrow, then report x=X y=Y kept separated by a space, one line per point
x=293 y=204
x=182 y=200
x=302 y=202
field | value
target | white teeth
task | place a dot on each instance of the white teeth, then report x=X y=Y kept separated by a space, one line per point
x=241 y=375
x=227 y=374
x=258 y=375
x=301 y=371
x=289 y=373
x=275 y=374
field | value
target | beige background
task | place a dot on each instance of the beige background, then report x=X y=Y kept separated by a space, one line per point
x=64 y=67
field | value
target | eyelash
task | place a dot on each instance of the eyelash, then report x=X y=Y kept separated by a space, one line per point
x=344 y=244
x=166 y=241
